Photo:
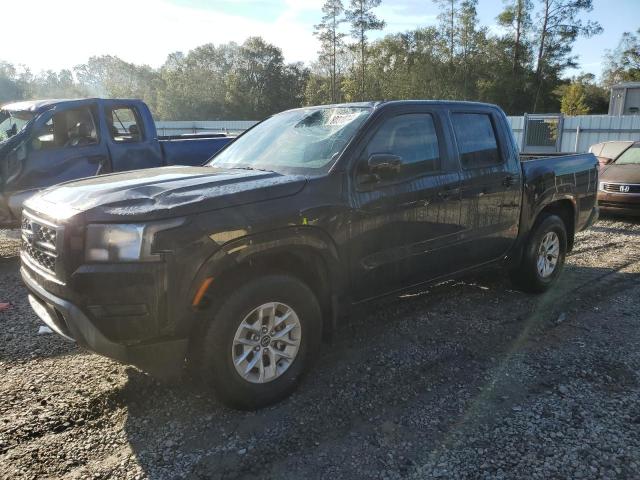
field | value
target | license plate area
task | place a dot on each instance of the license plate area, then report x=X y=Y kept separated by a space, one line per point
x=50 y=317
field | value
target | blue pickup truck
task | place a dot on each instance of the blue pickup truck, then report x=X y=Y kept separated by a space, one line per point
x=46 y=142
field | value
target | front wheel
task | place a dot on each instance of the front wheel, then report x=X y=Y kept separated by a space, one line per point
x=260 y=341
x=544 y=255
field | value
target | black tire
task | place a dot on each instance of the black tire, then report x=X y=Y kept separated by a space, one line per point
x=527 y=277
x=217 y=365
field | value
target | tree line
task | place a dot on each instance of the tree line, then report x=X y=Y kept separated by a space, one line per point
x=519 y=65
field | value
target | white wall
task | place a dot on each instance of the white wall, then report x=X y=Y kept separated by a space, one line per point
x=593 y=129
x=182 y=127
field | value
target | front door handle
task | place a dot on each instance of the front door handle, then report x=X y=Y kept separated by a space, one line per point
x=508 y=181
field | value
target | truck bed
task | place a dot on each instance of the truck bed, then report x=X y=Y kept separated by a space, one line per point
x=191 y=150
x=573 y=178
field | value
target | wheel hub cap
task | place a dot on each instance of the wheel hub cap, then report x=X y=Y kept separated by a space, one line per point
x=548 y=254
x=266 y=342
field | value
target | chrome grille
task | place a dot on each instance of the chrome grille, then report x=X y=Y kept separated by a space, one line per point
x=620 y=187
x=40 y=242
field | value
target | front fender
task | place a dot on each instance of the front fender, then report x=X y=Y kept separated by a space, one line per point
x=303 y=240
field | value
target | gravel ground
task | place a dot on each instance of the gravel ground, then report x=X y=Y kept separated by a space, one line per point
x=9 y=243
x=473 y=380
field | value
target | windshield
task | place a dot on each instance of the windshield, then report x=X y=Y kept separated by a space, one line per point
x=297 y=141
x=12 y=122
x=630 y=157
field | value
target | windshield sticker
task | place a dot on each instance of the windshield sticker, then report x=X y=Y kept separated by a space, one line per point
x=342 y=118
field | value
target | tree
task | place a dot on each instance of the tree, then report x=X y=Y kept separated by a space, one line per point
x=560 y=26
x=362 y=20
x=596 y=97
x=573 y=100
x=10 y=86
x=447 y=16
x=623 y=63
x=110 y=76
x=471 y=40
x=461 y=40
x=331 y=40
x=195 y=86
x=516 y=18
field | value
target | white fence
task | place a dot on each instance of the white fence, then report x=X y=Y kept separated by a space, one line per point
x=184 y=127
x=576 y=134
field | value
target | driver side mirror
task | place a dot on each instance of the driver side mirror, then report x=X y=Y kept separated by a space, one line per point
x=382 y=166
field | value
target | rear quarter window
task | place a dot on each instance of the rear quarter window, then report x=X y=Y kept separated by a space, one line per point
x=476 y=140
x=124 y=124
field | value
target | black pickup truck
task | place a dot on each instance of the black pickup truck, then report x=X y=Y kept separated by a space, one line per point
x=239 y=268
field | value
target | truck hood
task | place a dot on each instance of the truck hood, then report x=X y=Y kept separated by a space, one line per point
x=620 y=173
x=164 y=192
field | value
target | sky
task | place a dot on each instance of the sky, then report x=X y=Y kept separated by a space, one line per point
x=64 y=33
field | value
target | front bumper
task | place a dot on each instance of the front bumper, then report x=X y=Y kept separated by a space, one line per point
x=162 y=358
x=622 y=204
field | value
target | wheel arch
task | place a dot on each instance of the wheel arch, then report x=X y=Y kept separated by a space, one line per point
x=564 y=208
x=306 y=253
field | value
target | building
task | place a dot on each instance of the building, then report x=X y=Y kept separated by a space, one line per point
x=625 y=99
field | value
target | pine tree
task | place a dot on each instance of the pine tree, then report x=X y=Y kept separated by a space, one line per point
x=362 y=20
x=331 y=39
x=560 y=26
x=574 y=100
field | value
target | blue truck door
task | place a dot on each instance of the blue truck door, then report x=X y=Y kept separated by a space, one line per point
x=132 y=141
x=65 y=145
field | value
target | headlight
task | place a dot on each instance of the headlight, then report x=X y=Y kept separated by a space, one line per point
x=131 y=242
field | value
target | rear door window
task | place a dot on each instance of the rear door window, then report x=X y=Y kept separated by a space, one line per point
x=124 y=125
x=476 y=139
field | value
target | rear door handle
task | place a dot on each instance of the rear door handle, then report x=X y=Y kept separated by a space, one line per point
x=96 y=158
x=448 y=192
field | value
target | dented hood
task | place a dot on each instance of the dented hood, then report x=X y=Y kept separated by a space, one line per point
x=165 y=192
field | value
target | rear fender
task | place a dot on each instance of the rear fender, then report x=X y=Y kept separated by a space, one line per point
x=541 y=194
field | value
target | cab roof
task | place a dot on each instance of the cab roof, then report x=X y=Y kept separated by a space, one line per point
x=39 y=106
x=384 y=103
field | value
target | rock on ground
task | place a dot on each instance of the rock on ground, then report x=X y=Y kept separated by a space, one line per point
x=467 y=379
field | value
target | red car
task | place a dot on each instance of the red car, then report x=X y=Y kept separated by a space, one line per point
x=619 y=187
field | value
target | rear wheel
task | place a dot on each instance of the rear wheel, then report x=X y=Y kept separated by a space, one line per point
x=261 y=341
x=544 y=255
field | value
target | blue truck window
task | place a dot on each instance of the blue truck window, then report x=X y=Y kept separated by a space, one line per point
x=70 y=128
x=123 y=125
x=476 y=140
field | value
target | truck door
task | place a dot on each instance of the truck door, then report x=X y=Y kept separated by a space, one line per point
x=403 y=226
x=491 y=184
x=131 y=145
x=65 y=145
